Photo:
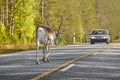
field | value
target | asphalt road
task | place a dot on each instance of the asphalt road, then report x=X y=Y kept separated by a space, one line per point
x=72 y=62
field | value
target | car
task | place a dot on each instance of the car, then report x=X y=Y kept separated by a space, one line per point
x=100 y=35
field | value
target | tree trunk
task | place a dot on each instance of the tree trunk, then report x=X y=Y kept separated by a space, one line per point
x=2 y=11
x=6 y=13
x=11 y=18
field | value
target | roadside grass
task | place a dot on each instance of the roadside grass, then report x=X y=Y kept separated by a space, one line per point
x=8 y=48
x=116 y=41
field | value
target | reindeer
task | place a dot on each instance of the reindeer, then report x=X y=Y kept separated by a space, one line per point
x=47 y=37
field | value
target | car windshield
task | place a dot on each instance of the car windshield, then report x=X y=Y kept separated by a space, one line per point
x=99 y=32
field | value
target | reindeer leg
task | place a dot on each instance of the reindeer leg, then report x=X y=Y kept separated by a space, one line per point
x=48 y=52
x=37 y=47
x=44 y=54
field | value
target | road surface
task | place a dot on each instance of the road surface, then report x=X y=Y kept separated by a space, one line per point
x=71 y=62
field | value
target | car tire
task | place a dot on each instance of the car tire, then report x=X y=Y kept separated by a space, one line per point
x=107 y=42
x=92 y=42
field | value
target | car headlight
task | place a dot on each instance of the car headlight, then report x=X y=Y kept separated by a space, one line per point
x=93 y=37
x=104 y=37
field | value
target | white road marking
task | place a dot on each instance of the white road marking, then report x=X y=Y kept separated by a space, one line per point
x=95 y=53
x=68 y=67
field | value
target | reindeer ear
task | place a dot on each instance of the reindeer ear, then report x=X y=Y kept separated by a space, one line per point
x=56 y=33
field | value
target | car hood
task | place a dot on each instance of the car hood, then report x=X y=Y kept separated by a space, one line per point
x=98 y=35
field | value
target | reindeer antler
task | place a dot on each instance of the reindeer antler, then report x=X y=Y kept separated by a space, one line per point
x=46 y=18
x=61 y=21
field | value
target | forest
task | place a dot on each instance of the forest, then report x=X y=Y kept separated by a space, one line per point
x=19 y=19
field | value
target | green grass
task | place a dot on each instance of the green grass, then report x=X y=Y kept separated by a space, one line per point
x=8 y=48
x=116 y=41
x=3 y=51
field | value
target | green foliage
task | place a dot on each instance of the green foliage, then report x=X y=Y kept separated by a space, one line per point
x=3 y=35
x=79 y=17
x=24 y=20
x=72 y=21
x=110 y=16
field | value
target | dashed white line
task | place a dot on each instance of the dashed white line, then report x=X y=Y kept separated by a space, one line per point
x=95 y=53
x=68 y=67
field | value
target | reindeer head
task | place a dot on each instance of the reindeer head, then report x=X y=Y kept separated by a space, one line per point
x=56 y=34
x=56 y=39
